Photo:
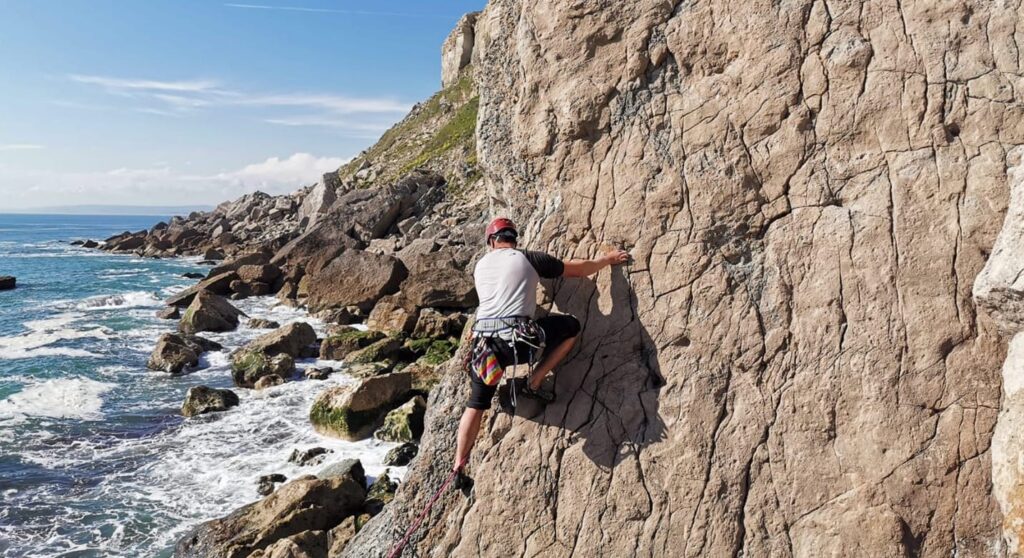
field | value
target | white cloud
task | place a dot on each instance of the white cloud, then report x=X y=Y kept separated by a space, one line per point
x=179 y=98
x=373 y=129
x=162 y=185
x=332 y=103
x=118 y=84
x=19 y=146
x=295 y=171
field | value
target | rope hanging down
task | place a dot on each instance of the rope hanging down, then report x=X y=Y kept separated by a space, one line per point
x=397 y=549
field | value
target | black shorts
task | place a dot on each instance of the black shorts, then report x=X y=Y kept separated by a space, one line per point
x=557 y=328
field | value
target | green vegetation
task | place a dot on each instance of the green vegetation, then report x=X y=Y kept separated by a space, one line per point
x=452 y=112
x=354 y=336
x=383 y=489
x=433 y=351
x=247 y=366
x=458 y=132
x=342 y=422
x=376 y=351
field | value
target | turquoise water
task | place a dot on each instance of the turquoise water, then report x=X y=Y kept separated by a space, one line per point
x=95 y=459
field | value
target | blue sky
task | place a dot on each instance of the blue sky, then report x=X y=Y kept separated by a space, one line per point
x=150 y=102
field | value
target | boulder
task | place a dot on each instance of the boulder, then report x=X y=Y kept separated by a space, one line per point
x=234 y=264
x=404 y=424
x=307 y=544
x=353 y=412
x=355 y=278
x=390 y=315
x=173 y=354
x=306 y=504
x=248 y=367
x=340 y=535
x=213 y=254
x=260 y=323
x=266 y=273
x=90 y=244
x=169 y=313
x=351 y=468
x=268 y=381
x=209 y=312
x=192 y=275
x=311 y=456
x=7 y=282
x=424 y=376
x=289 y=339
x=338 y=345
x=219 y=283
x=369 y=369
x=376 y=351
x=241 y=289
x=201 y=344
x=402 y=455
x=432 y=352
x=267 y=483
x=434 y=323
x=438 y=280
x=318 y=373
x=316 y=247
x=380 y=493
x=342 y=316
x=317 y=203
x=203 y=399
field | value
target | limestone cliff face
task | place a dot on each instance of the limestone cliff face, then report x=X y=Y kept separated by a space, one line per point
x=794 y=365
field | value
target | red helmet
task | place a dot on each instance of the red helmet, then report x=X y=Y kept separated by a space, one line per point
x=498 y=225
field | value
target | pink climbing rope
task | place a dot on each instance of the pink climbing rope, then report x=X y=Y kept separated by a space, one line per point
x=397 y=549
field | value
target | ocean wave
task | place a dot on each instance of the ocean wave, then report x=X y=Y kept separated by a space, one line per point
x=47 y=332
x=75 y=398
x=133 y=299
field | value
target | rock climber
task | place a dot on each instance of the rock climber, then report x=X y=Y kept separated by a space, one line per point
x=505 y=333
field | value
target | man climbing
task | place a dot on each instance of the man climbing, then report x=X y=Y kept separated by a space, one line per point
x=505 y=333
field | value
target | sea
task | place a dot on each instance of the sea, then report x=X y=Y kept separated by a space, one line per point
x=95 y=457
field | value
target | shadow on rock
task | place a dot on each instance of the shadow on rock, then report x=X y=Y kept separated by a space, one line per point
x=607 y=389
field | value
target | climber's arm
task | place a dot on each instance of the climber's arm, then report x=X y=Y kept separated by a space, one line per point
x=583 y=268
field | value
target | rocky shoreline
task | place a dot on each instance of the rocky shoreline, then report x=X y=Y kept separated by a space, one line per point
x=386 y=268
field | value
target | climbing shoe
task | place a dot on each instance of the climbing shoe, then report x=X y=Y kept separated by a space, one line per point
x=522 y=387
x=464 y=483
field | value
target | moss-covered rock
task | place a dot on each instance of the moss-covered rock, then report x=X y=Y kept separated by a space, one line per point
x=376 y=351
x=339 y=345
x=370 y=369
x=405 y=423
x=433 y=352
x=203 y=399
x=381 y=492
x=247 y=367
x=354 y=411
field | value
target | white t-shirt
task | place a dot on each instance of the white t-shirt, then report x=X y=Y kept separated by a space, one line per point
x=506 y=283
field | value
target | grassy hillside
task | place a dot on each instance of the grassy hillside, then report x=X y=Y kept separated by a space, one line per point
x=438 y=134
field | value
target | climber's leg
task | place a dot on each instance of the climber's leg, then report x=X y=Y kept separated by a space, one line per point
x=480 y=398
x=560 y=334
x=469 y=428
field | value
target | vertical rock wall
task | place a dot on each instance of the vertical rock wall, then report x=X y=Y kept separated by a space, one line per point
x=794 y=365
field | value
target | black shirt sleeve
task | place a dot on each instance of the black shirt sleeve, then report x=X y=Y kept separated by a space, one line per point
x=547 y=266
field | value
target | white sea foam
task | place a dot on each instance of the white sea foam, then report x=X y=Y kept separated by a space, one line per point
x=47 y=332
x=124 y=300
x=76 y=398
x=155 y=486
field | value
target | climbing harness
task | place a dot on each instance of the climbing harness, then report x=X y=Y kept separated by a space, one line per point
x=397 y=549
x=482 y=359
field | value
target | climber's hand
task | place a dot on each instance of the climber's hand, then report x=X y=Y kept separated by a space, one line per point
x=616 y=257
